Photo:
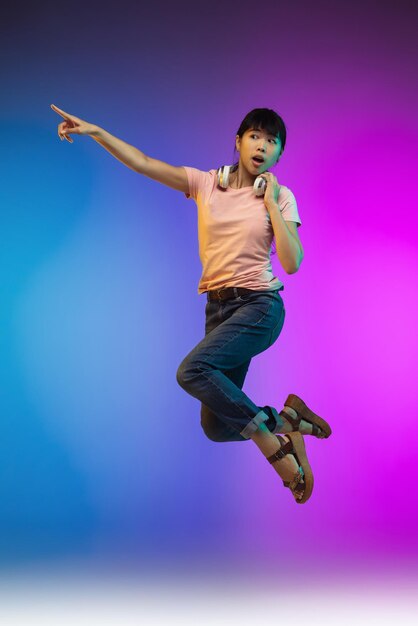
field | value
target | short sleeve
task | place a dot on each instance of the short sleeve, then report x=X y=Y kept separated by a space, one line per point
x=197 y=180
x=289 y=207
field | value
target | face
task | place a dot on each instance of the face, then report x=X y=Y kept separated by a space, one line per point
x=258 y=143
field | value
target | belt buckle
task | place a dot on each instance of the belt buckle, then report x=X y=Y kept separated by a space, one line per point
x=218 y=291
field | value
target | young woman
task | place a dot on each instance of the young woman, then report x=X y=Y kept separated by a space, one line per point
x=241 y=209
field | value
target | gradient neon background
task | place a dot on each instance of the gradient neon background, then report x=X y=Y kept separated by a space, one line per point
x=103 y=463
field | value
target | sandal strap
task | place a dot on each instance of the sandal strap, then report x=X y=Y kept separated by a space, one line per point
x=295 y=421
x=285 y=448
x=316 y=431
x=295 y=484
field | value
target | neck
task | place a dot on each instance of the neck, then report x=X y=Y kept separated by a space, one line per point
x=241 y=178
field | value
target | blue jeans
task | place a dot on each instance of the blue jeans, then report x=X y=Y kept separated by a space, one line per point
x=214 y=371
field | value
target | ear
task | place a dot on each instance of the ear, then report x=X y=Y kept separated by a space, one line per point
x=238 y=142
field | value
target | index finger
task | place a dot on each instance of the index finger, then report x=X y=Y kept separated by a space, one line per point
x=61 y=112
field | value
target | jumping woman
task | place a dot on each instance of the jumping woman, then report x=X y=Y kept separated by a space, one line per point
x=244 y=215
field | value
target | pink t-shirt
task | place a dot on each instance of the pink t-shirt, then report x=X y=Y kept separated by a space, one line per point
x=236 y=237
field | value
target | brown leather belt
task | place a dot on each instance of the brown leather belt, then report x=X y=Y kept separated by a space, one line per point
x=228 y=292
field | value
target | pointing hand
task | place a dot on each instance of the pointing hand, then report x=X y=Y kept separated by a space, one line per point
x=71 y=125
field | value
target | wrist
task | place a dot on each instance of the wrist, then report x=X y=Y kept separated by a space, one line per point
x=96 y=131
x=272 y=206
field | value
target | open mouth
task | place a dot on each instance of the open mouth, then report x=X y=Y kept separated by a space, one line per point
x=257 y=161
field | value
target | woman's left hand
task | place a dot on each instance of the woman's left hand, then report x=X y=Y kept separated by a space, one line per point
x=271 y=196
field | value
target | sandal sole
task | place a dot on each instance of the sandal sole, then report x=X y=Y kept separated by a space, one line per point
x=299 y=447
x=298 y=405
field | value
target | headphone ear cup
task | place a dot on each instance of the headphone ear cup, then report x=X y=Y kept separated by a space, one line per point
x=223 y=176
x=259 y=186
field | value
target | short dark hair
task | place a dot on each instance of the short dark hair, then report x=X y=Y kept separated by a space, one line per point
x=264 y=119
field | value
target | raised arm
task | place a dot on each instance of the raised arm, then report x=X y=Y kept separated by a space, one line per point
x=130 y=156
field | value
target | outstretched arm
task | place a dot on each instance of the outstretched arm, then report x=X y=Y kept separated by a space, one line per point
x=130 y=156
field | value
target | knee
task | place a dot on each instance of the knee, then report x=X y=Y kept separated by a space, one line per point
x=190 y=370
x=182 y=374
x=186 y=372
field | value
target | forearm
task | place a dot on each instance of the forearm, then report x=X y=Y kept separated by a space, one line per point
x=124 y=152
x=287 y=247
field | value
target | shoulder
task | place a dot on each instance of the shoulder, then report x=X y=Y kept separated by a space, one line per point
x=288 y=205
x=195 y=171
x=199 y=180
x=286 y=195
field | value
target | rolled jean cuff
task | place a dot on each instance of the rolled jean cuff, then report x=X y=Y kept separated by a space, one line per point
x=252 y=426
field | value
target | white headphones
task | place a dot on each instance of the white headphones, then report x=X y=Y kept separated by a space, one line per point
x=223 y=173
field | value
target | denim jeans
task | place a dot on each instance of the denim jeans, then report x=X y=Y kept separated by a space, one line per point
x=214 y=371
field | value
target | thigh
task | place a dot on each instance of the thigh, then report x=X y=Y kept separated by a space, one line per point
x=213 y=316
x=237 y=330
x=237 y=375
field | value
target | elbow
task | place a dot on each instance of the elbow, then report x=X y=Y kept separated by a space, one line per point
x=290 y=269
x=294 y=268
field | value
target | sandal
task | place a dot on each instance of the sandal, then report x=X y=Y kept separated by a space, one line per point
x=296 y=446
x=320 y=428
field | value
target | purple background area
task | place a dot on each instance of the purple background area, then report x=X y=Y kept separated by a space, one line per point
x=102 y=453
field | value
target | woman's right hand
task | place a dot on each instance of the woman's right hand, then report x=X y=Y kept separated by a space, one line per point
x=72 y=125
